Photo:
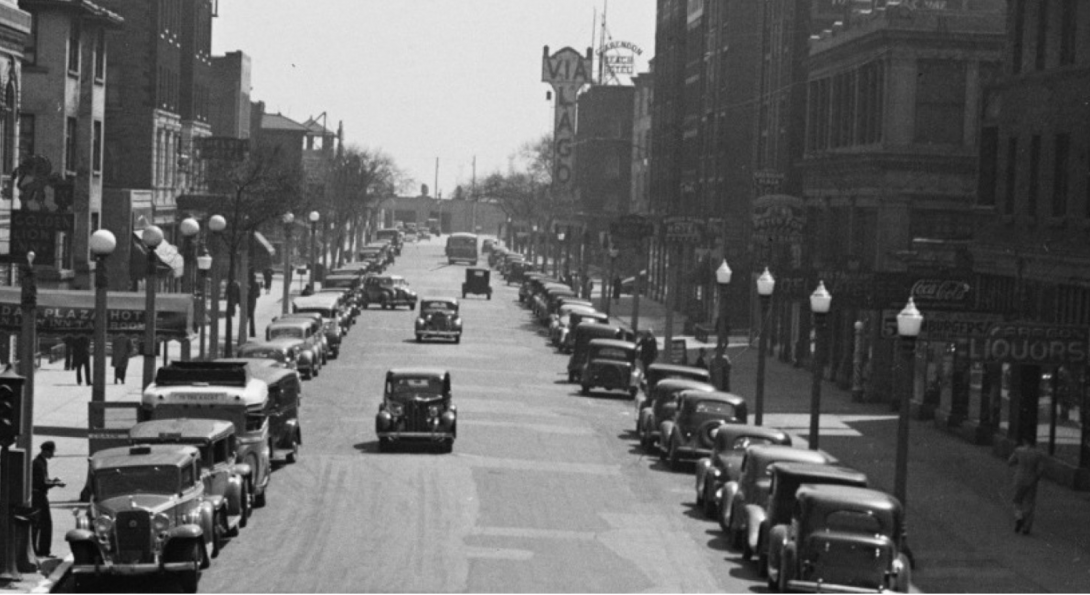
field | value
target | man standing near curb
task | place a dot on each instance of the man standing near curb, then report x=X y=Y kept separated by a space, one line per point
x=42 y=533
x=1029 y=464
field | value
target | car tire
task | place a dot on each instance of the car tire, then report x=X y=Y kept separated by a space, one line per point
x=632 y=392
x=673 y=456
x=448 y=446
x=293 y=454
x=457 y=339
x=762 y=565
x=490 y=295
x=308 y=374
x=383 y=445
x=747 y=552
x=787 y=563
x=244 y=501
x=259 y=499
x=189 y=579
x=419 y=338
x=584 y=389
x=219 y=531
x=709 y=499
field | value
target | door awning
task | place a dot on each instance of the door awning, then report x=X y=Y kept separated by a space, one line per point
x=170 y=258
x=67 y=313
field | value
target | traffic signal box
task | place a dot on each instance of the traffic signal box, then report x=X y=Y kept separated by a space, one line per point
x=11 y=407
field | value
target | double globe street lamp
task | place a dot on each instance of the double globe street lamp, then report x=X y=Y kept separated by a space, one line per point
x=204 y=264
x=102 y=244
x=189 y=228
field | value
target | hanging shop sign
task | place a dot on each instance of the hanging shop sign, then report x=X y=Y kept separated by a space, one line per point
x=1022 y=343
x=567 y=71
x=36 y=231
x=631 y=227
x=683 y=229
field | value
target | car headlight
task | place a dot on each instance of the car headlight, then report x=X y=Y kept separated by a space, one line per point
x=103 y=526
x=161 y=522
x=395 y=408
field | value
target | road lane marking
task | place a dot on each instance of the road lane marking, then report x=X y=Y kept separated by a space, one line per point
x=529 y=533
x=543 y=428
x=496 y=553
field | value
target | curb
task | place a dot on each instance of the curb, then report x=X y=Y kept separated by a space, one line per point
x=56 y=577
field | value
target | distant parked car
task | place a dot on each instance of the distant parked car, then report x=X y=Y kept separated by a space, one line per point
x=416 y=406
x=389 y=291
x=650 y=413
x=612 y=365
x=724 y=463
x=690 y=432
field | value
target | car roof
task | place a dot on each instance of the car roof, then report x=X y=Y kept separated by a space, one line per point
x=780 y=452
x=722 y=397
x=616 y=343
x=841 y=496
x=576 y=308
x=682 y=384
x=182 y=427
x=416 y=372
x=317 y=300
x=292 y=322
x=664 y=367
x=277 y=343
x=448 y=300
x=735 y=431
x=485 y=269
x=175 y=455
x=463 y=234
x=818 y=473
x=390 y=277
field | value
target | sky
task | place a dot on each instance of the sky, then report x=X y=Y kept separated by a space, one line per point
x=421 y=79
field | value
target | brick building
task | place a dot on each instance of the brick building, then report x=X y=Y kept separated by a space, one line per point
x=15 y=26
x=1032 y=257
x=65 y=57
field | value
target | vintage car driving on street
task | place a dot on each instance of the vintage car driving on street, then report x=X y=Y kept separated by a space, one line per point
x=226 y=391
x=753 y=483
x=388 y=291
x=149 y=514
x=394 y=236
x=309 y=332
x=416 y=406
x=224 y=478
x=659 y=371
x=844 y=539
x=690 y=432
x=650 y=413
x=766 y=522
x=462 y=247
x=724 y=463
x=438 y=318
x=612 y=365
x=516 y=271
x=477 y=282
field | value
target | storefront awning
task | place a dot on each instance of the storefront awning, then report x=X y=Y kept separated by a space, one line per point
x=264 y=243
x=170 y=258
x=65 y=312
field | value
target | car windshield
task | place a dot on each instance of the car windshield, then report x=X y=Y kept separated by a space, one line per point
x=122 y=481
x=407 y=388
x=292 y=332
x=262 y=353
x=613 y=353
x=743 y=442
x=714 y=408
x=324 y=312
x=433 y=307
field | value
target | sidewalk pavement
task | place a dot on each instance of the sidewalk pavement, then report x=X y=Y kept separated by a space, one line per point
x=959 y=515
x=60 y=415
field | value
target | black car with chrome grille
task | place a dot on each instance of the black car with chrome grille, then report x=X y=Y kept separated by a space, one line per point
x=416 y=406
x=149 y=514
x=438 y=317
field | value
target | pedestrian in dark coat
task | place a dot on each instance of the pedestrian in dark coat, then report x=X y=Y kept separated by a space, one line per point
x=122 y=351
x=68 y=353
x=1029 y=467
x=649 y=348
x=268 y=273
x=81 y=358
x=251 y=303
x=40 y=482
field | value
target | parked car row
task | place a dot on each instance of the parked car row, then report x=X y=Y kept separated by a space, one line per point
x=809 y=523
x=196 y=465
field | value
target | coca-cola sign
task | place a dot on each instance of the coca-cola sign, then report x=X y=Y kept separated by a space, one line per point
x=941 y=293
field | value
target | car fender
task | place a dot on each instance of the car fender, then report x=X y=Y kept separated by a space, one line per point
x=233 y=495
x=243 y=470
x=754 y=516
x=666 y=433
x=216 y=501
x=645 y=422
x=777 y=539
x=383 y=420
x=726 y=501
x=80 y=536
x=701 y=473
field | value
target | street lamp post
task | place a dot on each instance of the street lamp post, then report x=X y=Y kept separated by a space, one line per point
x=857 y=362
x=533 y=246
x=909 y=321
x=313 y=217
x=189 y=229
x=152 y=237
x=204 y=263
x=820 y=301
x=216 y=223
x=560 y=237
x=722 y=336
x=288 y=220
x=765 y=285
x=102 y=244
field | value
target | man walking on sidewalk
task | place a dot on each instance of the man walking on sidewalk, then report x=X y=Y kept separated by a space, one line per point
x=81 y=358
x=1029 y=464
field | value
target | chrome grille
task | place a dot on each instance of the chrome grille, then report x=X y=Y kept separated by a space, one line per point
x=416 y=417
x=133 y=529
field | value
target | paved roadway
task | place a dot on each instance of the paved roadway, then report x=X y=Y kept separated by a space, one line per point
x=546 y=490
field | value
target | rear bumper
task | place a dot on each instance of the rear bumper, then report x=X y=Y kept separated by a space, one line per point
x=819 y=587
x=436 y=436
x=109 y=568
